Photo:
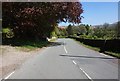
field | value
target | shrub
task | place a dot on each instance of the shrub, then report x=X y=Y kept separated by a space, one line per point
x=7 y=33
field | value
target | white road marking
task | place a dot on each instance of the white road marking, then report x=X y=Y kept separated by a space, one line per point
x=64 y=42
x=86 y=74
x=9 y=75
x=103 y=54
x=65 y=48
x=83 y=71
x=74 y=62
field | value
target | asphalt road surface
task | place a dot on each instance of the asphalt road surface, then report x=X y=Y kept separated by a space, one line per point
x=66 y=59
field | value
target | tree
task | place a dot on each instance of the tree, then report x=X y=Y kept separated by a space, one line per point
x=87 y=29
x=60 y=31
x=105 y=27
x=118 y=29
x=98 y=31
x=38 y=20
x=79 y=30
x=106 y=31
x=57 y=31
x=70 y=30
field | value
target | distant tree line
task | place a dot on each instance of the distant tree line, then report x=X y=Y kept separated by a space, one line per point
x=105 y=31
x=108 y=31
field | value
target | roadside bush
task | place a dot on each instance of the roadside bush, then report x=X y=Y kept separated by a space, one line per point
x=110 y=45
x=87 y=37
x=82 y=36
x=7 y=33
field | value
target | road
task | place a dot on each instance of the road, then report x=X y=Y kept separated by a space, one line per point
x=66 y=59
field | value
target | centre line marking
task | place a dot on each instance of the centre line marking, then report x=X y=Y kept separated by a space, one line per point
x=86 y=74
x=83 y=71
x=65 y=49
x=74 y=62
x=64 y=43
x=9 y=75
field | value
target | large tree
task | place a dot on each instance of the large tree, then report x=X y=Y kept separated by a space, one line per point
x=37 y=20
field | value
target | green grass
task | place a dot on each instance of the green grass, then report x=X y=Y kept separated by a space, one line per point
x=93 y=48
x=26 y=48
x=113 y=54
x=26 y=45
x=98 y=49
x=31 y=45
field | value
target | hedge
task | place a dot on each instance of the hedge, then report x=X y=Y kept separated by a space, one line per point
x=105 y=45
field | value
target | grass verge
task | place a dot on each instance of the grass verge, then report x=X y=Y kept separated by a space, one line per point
x=98 y=49
x=30 y=45
x=26 y=45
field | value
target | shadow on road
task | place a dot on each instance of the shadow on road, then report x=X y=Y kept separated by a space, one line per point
x=87 y=57
x=56 y=44
x=32 y=43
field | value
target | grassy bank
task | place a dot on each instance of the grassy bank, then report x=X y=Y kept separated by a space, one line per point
x=98 y=49
x=30 y=45
x=26 y=45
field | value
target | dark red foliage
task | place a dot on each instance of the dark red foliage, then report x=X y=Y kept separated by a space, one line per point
x=38 y=19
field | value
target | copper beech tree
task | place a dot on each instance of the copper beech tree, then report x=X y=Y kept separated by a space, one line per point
x=38 y=19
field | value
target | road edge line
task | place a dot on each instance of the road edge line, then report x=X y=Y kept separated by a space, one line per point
x=9 y=75
x=103 y=54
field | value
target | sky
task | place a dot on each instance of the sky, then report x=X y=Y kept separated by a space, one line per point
x=119 y=11
x=96 y=13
